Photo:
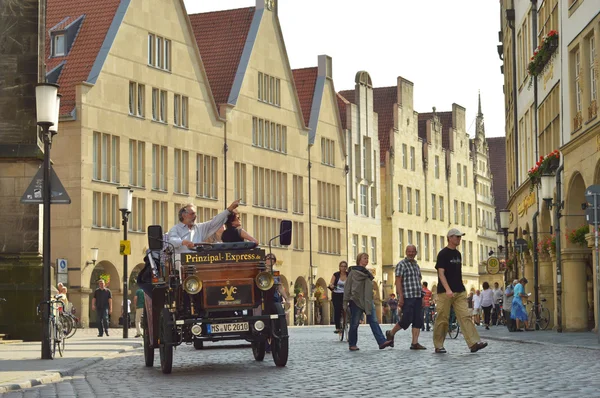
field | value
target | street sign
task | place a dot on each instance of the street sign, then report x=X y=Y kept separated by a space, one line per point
x=493 y=265
x=520 y=245
x=34 y=194
x=590 y=191
x=589 y=216
x=62 y=265
x=125 y=248
x=62 y=278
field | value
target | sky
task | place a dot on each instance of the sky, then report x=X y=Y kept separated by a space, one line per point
x=446 y=48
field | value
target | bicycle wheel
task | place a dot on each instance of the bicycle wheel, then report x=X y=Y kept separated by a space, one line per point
x=59 y=340
x=544 y=319
x=453 y=330
x=51 y=329
x=67 y=323
x=531 y=321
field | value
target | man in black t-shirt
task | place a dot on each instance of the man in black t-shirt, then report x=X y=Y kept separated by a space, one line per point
x=452 y=293
x=102 y=304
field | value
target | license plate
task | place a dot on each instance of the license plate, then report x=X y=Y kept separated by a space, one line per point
x=228 y=327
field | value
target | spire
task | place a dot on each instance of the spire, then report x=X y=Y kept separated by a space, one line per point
x=480 y=128
x=479 y=107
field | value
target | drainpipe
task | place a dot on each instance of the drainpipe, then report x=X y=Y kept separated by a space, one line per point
x=557 y=215
x=536 y=269
x=310 y=248
x=510 y=17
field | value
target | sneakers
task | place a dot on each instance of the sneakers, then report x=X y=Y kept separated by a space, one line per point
x=478 y=346
x=417 y=347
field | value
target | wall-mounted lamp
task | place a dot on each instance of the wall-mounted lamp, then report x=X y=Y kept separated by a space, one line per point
x=94 y=252
x=385 y=277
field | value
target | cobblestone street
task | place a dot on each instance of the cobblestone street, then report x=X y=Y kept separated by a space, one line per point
x=320 y=365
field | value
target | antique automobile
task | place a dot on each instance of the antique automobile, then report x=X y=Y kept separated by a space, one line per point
x=219 y=292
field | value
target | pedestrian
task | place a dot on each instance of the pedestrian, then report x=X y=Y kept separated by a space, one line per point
x=336 y=285
x=477 y=307
x=393 y=304
x=138 y=302
x=358 y=296
x=427 y=306
x=410 y=297
x=125 y=319
x=498 y=293
x=518 y=311
x=299 y=309
x=451 y=292
x=507 y=305
x=487 y=302
x=102 y=304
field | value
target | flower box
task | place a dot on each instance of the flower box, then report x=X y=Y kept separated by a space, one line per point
x=545 y=165
x=543 y=54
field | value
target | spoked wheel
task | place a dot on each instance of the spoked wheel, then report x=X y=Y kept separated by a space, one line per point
x=52 y=337
x=280 y=339
x=453 y=330
x=148 y=349
x=165 y=340
x=198 y=344
x=68 y=326
x=258 y=349
x=59 y=338
x=544 y=320
x=345 y=326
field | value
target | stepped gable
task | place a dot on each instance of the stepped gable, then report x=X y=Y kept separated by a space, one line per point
x=305 y=80
x=446 y=121
x=96 y=19
x=221 y=37
x=384 y=99
x=497 y=156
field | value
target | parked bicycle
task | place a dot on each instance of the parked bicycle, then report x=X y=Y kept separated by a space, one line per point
x=70 y=322
x=500 y=316
x=345 y=324
x=542 y=319
x=55 y=328
x=453 y=326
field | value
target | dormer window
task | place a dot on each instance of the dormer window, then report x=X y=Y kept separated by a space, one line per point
x=58 y=44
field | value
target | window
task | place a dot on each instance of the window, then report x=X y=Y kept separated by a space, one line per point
x=464 y=249
x=239 y=181
x=329 y=240
x=400 y=198
x=442 y=242
x=373 y=258
x=298 y=194
x=418 y=244
x=469 y=217
x=401 y=241
x=373 y=200
x=363 y=200
x=409 y=200
x=180 y=110
x=404 y=156
x=269 y=188
x=298 y=235
x=462 y=213
x=465 y=176
x=269 y=89
x=412 y=158
x=206 y=176
x=327 y=152
x=471 y=254
x=578 y=104
x=329 y=200
x=159 y=214
x=265 y=228
x=436 y=168
x=434 y=247
x=433 y=206
x=426 y=247
x=456 y=212
x=159 y=167
x=105 y=211
x=593 y=108
x=106 y=157
x=136 y=99
x=417 y=202
x=354 y=246
x=137 y=219
x=58 y=45
x=366 y=159
x=458 y=174
x=181 y=171
x=163 y=107
x=268 y=135
x=137 y=162
x=159 y=52
x=364 y=244
x=441 y=208
x=410 y=238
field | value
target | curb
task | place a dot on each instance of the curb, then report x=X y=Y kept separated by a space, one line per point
x=58 y=376
x=545 y=343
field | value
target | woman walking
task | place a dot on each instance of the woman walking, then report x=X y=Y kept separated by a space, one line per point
x=336 y=285
x=358 y=295
x=487 y=302
x=518 y=311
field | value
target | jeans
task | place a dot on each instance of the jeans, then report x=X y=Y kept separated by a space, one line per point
x=427 y=315
x=338 y=308
x=486 y=315
x=356 y=315
x=393 y=315
x=102 y=315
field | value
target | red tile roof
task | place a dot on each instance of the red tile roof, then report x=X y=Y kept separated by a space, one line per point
x=84 y=51
x=342 y=103
x=305 y=81
x=445 y=120
x=497 y=155
x=384 y=99
x=348 y=95
x=221 y=37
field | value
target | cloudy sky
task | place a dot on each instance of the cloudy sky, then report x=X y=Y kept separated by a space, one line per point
x=446 y=48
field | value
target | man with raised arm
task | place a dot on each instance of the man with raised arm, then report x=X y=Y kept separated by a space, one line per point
x=187 y=233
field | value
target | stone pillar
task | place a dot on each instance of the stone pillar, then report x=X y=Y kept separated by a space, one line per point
x=85 y=306
x=117 y=297
x=546 y=285
x=528 y=270
x=289 y=312
x=325 y=311
x=591 y=244
x=575 y=315
x=378 y=310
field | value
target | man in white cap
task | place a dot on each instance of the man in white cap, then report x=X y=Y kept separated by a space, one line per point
x=451 y=292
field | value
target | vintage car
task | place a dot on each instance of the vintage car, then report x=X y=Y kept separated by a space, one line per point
x=222 y=291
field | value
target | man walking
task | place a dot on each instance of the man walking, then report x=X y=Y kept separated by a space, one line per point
x=426 y=306
x=102 y=304
x=138 y=302
x=507 y=305
x=393 y=304
x=410 y=297
x=452 y=293
x=498 y=293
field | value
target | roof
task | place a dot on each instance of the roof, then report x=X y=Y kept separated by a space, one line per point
x=384 y=99
x=221 y=37
x=305 y=81
x=342 y=103
x=446 y=121
x=87 y=44
x=348 y=95
x=497 y=156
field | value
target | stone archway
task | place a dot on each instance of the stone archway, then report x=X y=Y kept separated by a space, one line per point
x=300 y=294
x=322 y=303
x=575 y=197
x=104 y=270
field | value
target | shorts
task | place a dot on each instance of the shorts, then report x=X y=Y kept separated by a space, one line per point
x=476 y=311
x=412 y=313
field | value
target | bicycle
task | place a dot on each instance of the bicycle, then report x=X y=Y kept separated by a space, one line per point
x=542 y=320
x=55 y=327
x=69 y=322
x=500 y=316
x=453 y=326
x=345 y=324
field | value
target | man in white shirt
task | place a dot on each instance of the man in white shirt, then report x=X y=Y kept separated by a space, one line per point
x=187 y=233
x=498 y=294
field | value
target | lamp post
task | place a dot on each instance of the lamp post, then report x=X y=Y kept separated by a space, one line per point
x=125 y=200
x=547 y=184
x=504 y=222
x=94 y=251
x=47 y=103
x=312 y=299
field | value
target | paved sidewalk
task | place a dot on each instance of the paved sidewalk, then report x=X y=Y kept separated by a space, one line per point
x=588 y=340
x=21 y=366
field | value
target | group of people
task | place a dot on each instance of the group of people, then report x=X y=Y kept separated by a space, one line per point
x=354 y=290
x=486 y=301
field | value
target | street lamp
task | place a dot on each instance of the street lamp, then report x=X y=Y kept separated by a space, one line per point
x=125 y=201
x=94 y=251
x=547 y=184
x=504 y=223
x=47 y=104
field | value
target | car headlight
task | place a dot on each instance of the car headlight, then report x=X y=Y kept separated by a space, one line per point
x=192 y=284
x=264 y=280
